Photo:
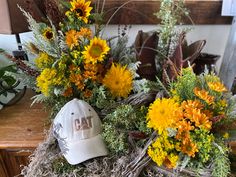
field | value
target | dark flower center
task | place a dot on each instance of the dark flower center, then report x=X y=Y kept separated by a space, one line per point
x=49 y=35
x=80 y=12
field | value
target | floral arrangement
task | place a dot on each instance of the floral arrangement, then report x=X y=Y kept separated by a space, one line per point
x=75 y=61
x=191 y=124
x=174 y=125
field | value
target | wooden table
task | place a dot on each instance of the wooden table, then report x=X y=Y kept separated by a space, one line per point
x=21 y=130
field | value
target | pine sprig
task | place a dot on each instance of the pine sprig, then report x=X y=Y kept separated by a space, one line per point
x=221 y=166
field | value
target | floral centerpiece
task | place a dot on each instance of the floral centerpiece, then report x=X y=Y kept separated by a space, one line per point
x=191 y=125
x=76 y=62
x=175 y=125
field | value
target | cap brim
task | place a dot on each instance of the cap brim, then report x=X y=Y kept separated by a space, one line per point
x=80 y=151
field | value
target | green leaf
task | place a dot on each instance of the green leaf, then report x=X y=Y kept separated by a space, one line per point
x=9 y=80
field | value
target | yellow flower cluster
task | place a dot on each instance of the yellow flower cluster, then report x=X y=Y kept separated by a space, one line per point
x=193 y=110
x=161 y=151
x=45 y=80
x=81 y=65
x=184 y=122
x=167 y=113
x=43 y=60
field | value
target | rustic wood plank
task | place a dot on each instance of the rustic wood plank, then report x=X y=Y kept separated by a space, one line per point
x=141 y=12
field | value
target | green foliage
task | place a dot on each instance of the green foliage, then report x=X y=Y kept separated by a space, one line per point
x=184 y=85
x=42 y=44
x=61 y=166
x=101 y=99
x=118 y=124
x=55 y=103
x=121 y=53
x=221 y=166
x=204 y=142
x=170 y=14
x=116 y=141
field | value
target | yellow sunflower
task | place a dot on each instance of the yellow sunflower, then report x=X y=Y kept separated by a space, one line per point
x=95 y=51
x=118 y=80
x=72 y=38
x=216 y=86
x=163 y=113
x=48 y=33
x=81 y=8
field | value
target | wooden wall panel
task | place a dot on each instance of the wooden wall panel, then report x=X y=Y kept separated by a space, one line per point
x=141 y=12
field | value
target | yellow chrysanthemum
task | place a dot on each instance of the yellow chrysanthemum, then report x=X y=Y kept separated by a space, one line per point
x=43 y=60
x=48 y=33
x=81 y=8
x=163 y=113
x=118 y=80
x=217 y=86
x=204 y=95
x=95 y=51
x=72 y=37
x=45 y=80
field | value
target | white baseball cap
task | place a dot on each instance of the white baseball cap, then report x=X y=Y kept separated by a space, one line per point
x=77 y=128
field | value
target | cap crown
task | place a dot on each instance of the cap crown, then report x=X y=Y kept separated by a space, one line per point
x=77 y=120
